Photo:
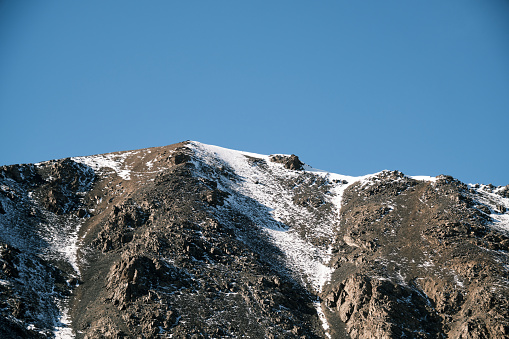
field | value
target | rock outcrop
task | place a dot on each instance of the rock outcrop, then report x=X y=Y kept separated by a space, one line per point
x=291 y=162
x=418 y=259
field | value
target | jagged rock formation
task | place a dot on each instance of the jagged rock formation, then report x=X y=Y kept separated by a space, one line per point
x=196 y=241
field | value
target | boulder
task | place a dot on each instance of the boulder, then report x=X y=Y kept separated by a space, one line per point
x=290 y=162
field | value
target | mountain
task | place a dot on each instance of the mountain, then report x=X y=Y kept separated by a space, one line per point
x=198 y=241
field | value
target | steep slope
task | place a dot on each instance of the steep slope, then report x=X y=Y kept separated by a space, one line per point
x=175 y=263
x=422 y=259
x=197 y=241
x=40 y=216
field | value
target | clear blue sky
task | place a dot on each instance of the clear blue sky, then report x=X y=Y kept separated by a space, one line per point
x=352 y=87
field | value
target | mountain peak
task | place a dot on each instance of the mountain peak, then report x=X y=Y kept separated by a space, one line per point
x=198 y=240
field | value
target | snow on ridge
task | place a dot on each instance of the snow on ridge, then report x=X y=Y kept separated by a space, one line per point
x=115 y=161
x=424 y=178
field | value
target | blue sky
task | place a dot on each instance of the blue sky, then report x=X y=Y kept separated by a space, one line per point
x=352 y=87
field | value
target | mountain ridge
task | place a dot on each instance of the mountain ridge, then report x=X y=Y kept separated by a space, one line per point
x=168 y=241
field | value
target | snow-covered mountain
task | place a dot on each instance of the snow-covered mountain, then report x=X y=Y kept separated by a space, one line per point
x=198 y=241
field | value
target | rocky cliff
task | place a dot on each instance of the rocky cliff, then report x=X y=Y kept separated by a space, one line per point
x=198 y=241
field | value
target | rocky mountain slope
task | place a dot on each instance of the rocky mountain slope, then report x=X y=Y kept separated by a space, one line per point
x=197 y=241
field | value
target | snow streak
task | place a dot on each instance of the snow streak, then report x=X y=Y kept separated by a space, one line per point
x=262 y=181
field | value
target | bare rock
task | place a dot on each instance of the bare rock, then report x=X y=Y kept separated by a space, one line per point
x=104 y=327
x=290 y=162
x=214 y=197
x=180 y=156
x=372 y=308
x=131 y=278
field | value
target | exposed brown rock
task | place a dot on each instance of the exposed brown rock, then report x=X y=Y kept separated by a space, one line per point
x=291 y=162
x=415 y=252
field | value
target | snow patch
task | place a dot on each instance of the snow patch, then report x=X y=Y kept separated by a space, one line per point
x=499 y=206
x=63 y=328
x=322 y=318
x=424 y=178
x=304 y=258
x=115 y=161
x=60 y=241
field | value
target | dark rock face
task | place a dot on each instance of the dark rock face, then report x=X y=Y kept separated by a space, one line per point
x=39 y=203
x=28 y=287
x=214 y=197
x=65 y=178
x=156 y=243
